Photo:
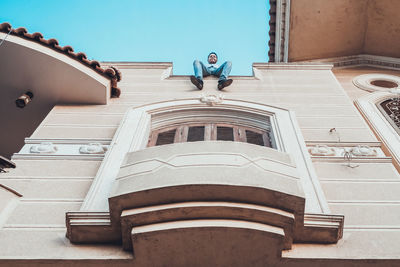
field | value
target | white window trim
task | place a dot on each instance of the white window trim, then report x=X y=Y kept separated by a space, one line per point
x=135 y=127
x=368 y=105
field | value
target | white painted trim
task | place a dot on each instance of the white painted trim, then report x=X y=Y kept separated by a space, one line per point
x=134 y=130
x=354 y=160
x=360 y=60
x=68 y=149
x=364 y=82
x=137 y=65
x=343 y=144
x=293 y=66
x=381 y=126
x=311 y=184
x=30 y=140
x=8 y=210
x=56 y=157
x=338 y=151
x=235 y=77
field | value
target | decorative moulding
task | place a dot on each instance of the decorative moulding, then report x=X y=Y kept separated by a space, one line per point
x=90 y=157
x=361 y=60
x=390 y=108
x=343 y=144
x=44 y=148
x=93 y=148
x=69 y=149
x=211 y=100
x=338 y=151
x=364 y=82
x=363 y=151
x=67 y=141
x=368 y=106
x=282 y=29
x=322 y=150
x=138 y=65
x=294 y=66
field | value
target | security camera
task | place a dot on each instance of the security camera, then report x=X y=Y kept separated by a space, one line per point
x=24 y=99
x=6 y=163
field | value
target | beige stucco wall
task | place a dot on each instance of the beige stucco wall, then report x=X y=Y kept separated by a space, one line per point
x=366 y=195
x=316 y=97
x=325 y=29
x=346 y=76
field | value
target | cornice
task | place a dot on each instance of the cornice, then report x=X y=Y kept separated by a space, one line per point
x=279 y=30
x=293 y=66
x=138 y=65
x=360 y=60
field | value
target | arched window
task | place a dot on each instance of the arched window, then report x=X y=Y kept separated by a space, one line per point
x=171 y=120
x=212 y=124
x=192 y=132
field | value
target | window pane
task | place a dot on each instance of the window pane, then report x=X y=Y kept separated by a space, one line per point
x=196 y=133
x=224 y=133
x=254 y=138
x=166 y=137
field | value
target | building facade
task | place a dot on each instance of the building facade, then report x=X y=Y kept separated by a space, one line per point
x=297 y=165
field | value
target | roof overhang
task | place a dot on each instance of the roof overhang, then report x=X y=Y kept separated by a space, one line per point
x=54 y=74
x=50 y=75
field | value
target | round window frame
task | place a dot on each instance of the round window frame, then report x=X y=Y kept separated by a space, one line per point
x=364 y=82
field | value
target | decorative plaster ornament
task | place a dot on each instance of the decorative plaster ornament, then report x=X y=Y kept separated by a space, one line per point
x=368 y=83
x=212 y=100
x=45 y=147
x=93 y=148
x=363 y=151
x=322 y=150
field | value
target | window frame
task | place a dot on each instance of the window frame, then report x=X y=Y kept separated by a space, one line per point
x=137 y=124
x=210 y=133
x=380 y=123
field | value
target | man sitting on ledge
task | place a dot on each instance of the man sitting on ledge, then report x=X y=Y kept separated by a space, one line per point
x=201 y=70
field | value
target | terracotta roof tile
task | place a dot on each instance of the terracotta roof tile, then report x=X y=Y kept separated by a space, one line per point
x=111 y=73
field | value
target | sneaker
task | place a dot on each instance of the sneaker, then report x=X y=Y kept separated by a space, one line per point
x=197 y=82
x=224 y=83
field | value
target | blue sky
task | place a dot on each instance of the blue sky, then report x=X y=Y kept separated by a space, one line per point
x=175 y=31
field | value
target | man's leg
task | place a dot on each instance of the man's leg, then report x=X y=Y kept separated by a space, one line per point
x=223 y=72
x=199 y=71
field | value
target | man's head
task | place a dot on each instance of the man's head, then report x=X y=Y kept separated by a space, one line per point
x=212 y=58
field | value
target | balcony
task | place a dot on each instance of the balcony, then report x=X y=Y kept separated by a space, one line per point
x=205 y=199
